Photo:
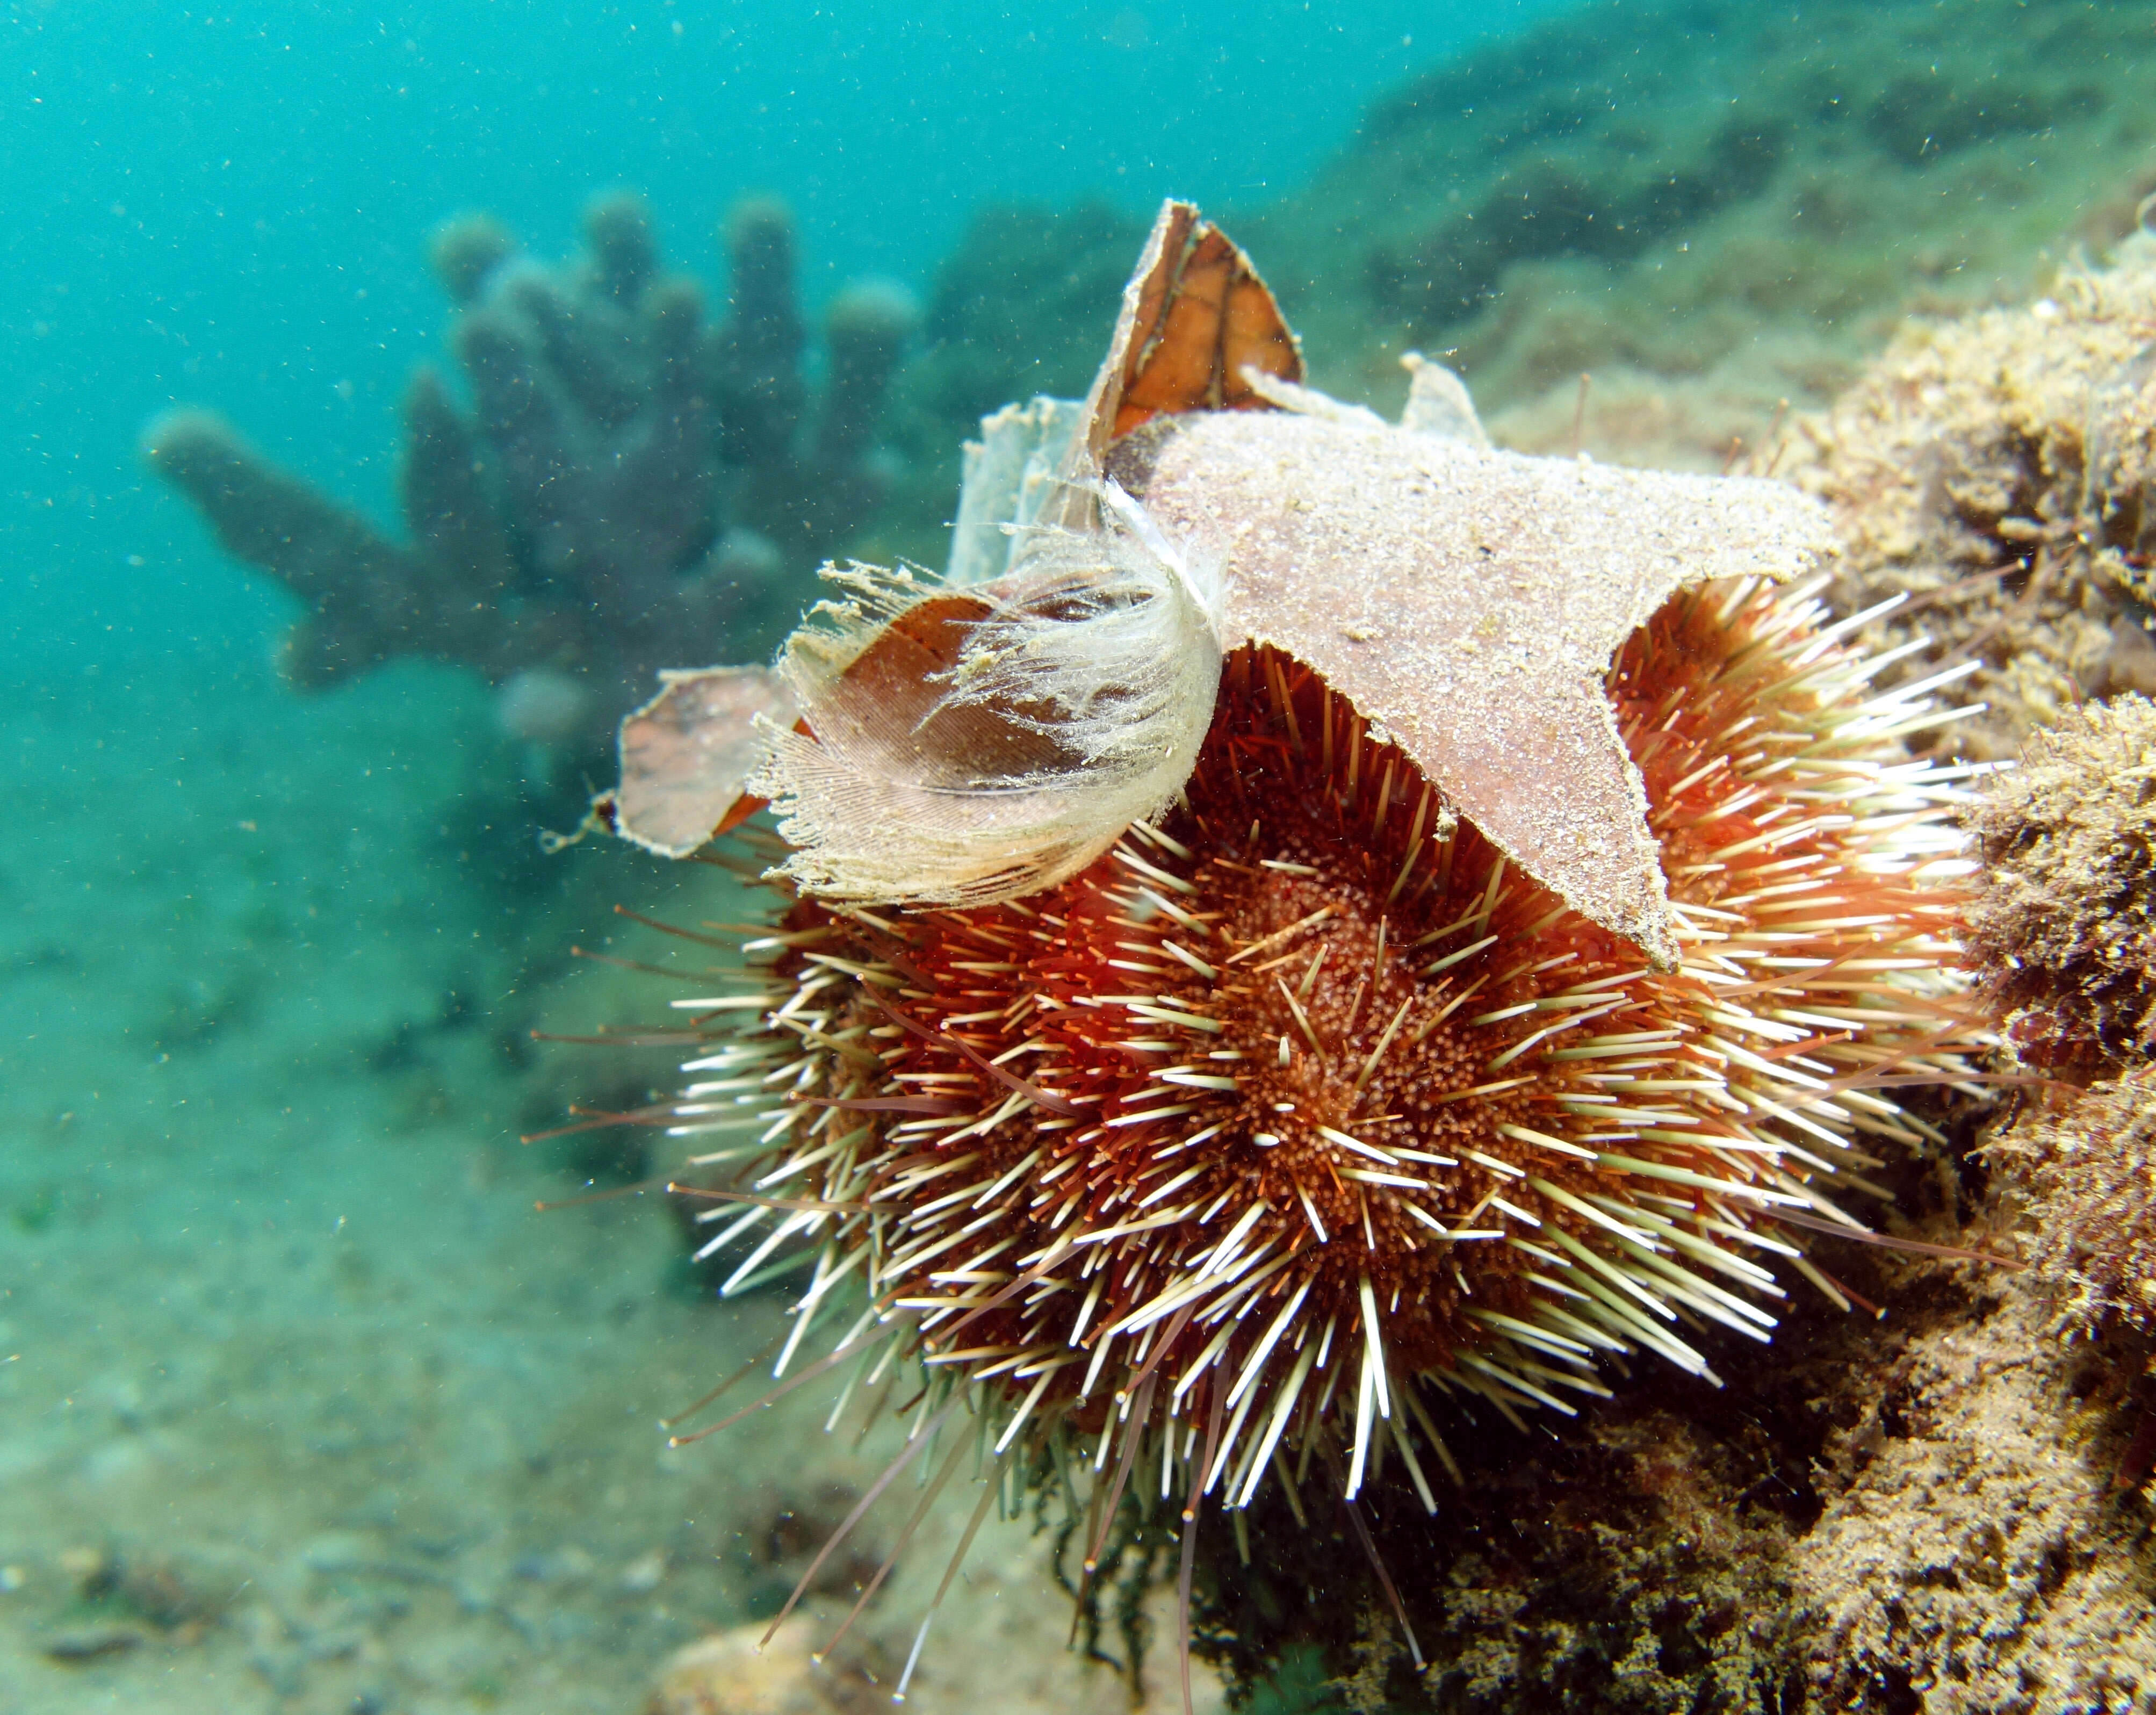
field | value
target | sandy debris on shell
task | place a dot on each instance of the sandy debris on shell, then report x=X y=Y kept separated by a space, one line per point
x=1471 y=602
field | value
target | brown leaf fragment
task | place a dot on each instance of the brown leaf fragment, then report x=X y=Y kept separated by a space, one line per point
x=685 y=753
x=1471 y=602
x=891 y=702
x=1193 y=316
x=1217 y=318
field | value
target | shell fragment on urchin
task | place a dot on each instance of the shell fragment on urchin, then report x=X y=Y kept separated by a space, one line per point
x=1301 y=1107
x=1471 y=600
x=978 y=745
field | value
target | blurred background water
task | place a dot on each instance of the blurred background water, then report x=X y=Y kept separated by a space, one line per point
x=234 y=202
x=302 y=1408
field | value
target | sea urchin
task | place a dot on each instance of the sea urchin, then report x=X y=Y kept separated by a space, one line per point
x=1165 y=1063
x=1301 y=1108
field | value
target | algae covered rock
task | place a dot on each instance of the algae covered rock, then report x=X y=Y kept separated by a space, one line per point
x=2064 y=939
x=2064 y=932
x=1923 y=1512
x=1632 y=1564
x=2089 y=1177
x=1977 y=1551
x=1997 y=469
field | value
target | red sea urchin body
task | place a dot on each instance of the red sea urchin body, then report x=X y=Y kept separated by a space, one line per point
x=1304 y=1096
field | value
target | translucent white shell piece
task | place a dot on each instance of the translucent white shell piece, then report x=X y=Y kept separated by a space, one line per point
x=976 y=745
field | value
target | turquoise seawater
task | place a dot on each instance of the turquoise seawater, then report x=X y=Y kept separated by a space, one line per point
x=230 y=206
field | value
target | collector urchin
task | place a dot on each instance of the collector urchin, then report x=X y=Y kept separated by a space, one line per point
x=1221 y=1135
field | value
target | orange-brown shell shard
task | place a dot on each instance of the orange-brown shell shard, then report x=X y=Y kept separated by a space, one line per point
x=1194 y=314
x=1219 y=318
x=685 y=754
x=888 y=708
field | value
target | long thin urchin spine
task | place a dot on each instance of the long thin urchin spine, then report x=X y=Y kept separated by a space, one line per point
x=1214 y=1161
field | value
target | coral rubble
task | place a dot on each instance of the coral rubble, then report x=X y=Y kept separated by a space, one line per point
x=629 y=485
x=739 y=1673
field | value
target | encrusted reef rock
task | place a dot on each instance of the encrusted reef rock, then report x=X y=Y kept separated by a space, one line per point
x=1997 y=468
x=631 y=487
x=1930 y=1513
x=1992 y=1549
x=1628 y=1564
x=2089 y=1177
x=2064 y=935
x=2063 y=938
x=1979 y=1550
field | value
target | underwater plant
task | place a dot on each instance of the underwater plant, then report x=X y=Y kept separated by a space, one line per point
x=1341 y=925
x=631 y=486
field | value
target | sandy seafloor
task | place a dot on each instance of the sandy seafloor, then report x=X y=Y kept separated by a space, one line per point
x=285 y=1348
